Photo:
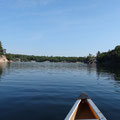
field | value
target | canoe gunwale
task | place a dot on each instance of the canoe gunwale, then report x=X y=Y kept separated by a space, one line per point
x=75 y=106
x=97 y=111
x=94 y=107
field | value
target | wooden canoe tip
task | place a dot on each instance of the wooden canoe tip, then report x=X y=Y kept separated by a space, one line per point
x=83 y=96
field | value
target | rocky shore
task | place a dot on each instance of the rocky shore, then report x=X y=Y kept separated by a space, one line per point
x=3 y=59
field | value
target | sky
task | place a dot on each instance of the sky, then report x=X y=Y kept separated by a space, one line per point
x=59 y=27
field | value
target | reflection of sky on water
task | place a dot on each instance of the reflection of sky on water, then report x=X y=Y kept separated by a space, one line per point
x=54 y=87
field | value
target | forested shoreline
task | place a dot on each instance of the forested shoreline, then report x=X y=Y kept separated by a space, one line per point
x=29 y=58
x=110 y=58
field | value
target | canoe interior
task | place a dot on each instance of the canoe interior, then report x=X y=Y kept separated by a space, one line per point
x=84 y=111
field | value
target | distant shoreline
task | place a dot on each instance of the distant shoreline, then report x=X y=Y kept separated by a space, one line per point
x=110 y=58
x=31 y=58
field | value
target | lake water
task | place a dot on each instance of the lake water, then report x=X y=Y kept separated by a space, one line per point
x=42 y=91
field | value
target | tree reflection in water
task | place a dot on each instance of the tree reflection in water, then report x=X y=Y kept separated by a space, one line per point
x=113 y=71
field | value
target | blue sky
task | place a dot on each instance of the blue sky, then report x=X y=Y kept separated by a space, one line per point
x=59 y=27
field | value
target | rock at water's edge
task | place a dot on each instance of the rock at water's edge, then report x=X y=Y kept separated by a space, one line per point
x=3 y=59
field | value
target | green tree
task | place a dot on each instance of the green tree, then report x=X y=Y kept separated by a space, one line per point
x=9 y=57
x=1 y=49
x=110 y=58
x=98 y=53
x=117 y=48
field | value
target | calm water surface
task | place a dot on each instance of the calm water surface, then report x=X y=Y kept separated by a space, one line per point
x=42 y=91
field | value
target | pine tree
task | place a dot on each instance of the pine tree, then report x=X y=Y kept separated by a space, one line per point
x=98 y=53
x=1 y=48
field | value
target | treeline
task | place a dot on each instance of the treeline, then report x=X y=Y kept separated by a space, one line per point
x=28 y=58
x=111 y=58
x=1 y=49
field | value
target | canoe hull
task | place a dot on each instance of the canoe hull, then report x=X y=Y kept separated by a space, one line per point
x=85 y=109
